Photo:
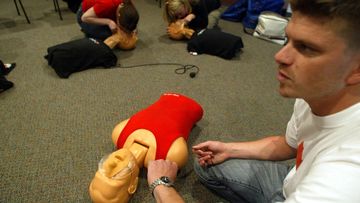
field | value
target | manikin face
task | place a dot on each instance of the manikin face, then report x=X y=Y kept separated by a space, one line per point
x=315 y=63
x=117 y=178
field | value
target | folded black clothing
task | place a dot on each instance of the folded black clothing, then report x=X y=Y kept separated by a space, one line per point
x=215 y=42
x=79 y=55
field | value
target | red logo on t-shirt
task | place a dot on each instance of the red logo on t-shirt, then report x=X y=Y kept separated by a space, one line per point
x=299 y=154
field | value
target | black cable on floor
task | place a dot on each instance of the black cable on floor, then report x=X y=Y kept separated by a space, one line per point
x=181 y=70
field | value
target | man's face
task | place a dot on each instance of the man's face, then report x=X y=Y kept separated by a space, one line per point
x=315 y=62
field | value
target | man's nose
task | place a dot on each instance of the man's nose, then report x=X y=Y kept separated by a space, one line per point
x=284 y=55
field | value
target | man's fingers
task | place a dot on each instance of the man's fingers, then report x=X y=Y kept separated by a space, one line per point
x=202 y=153
x=203 y=146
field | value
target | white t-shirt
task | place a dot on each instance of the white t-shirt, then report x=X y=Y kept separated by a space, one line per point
x=330 y=169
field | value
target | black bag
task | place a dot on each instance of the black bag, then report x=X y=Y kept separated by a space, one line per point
x=79 y=55
x=215 y=42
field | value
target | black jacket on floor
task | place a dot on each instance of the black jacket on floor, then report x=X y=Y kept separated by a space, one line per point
x=215 y=42
x=79 y=55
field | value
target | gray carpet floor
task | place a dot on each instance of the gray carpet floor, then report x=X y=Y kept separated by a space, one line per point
x=54 y=131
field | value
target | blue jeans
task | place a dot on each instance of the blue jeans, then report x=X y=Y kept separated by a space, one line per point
x=100 y=32
x=240 y=180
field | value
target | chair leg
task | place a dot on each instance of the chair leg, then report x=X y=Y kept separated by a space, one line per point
x=17 y=8
x=23 y=9
x=55 y=5
x=57 y=8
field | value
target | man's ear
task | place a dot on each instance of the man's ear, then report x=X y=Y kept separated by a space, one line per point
x=354 y=76
x=118 y=9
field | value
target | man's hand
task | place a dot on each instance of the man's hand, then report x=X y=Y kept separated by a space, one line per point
x=189 y=18
x=159 y=168
x=113 y=26
x=211 y=152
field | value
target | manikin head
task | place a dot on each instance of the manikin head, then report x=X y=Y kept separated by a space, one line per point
x=116 y=179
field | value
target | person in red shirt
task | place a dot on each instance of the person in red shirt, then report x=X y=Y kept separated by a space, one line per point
x=102 y=18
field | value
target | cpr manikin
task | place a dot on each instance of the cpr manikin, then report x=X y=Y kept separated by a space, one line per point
x=122 y=40
x=178 y=30
x=157 y=132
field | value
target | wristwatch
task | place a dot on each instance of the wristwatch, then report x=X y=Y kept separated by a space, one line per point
x=164 y=180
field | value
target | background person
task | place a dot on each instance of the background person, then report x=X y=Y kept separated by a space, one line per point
x=194 y=13
x=102 y=18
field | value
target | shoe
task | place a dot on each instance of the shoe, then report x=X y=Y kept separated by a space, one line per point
x=6 y=68
x=5 y=84
x=249 y=31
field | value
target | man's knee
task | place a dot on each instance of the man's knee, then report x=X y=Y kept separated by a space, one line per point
x=229 y=169
x=235 y=171
x=230 y=179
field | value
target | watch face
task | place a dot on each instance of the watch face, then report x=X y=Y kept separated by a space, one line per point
x=165 y=179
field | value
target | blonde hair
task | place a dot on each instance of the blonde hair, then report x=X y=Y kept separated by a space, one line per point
x=172 y=7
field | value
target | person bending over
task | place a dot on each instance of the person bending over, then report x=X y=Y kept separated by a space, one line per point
x=101 y=19
x=320 y=67
x=191 y=14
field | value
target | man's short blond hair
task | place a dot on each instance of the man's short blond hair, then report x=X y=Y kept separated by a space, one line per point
x=342 y=15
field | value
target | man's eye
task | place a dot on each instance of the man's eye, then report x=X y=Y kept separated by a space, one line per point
x=303 y=48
